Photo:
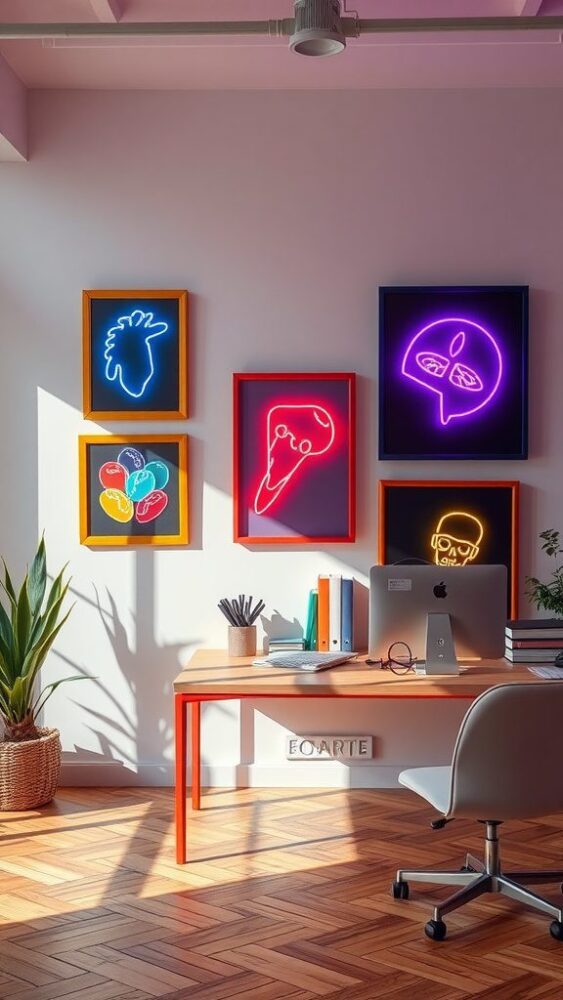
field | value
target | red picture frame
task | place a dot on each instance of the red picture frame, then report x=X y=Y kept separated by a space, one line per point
x=512 y=487
x=345 y=439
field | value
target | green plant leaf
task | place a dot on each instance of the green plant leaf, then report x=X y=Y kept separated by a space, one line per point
x=17 y=699
x=5 y=626
x=55 y=591
x=8 y=588
x=37 y=579
x=23 y=620
x=44 y=646
x=51 y=688
x=46 y=622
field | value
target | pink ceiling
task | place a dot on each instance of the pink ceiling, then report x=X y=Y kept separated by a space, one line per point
x=527 y=59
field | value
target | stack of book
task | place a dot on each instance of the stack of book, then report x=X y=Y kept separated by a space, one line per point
x=337 y=617
x=530 y=640
x=283 y=645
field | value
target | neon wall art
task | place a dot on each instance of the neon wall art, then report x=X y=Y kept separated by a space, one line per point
x=451 y=523
x=294 y=447
x=457 y=538
x=127 y=494
x=129 y=352
x=453 y=372
x=133 y=490
x=135 y=354
x=295 y=434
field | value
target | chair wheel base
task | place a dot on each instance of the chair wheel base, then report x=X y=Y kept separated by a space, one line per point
x=400 y=890
x=556 y=930
x=436 y=930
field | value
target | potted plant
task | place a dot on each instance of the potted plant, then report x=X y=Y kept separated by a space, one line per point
x=548 y=596
x=30 y=620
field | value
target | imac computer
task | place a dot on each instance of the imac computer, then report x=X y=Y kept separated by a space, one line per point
x=442 y=613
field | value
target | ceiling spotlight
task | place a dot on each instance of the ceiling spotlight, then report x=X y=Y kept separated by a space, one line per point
x=318 y=28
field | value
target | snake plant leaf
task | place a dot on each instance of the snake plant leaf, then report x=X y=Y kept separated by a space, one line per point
x=45 y=645
x=23 y=619
x=8 y=587
x=29 y=625
x=44 y=623
x=36 y=656
x=6 y=668
x=37 y=579
x=5 y=702
x=17 y=696
x=56 y=588
x=49 y=689
x=7 y=651
x=5 y=626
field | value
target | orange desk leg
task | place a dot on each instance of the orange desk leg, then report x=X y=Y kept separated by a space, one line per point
x=180 y=740
x=196 y=775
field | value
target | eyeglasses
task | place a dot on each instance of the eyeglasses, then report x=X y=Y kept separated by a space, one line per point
x=399 y=659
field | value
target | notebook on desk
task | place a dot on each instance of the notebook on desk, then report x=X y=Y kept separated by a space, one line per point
x=305 y=660
x=548 y=673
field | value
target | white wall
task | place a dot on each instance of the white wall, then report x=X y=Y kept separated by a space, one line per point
x=281 y=213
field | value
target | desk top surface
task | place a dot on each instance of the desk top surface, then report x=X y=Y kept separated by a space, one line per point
x=212 y=673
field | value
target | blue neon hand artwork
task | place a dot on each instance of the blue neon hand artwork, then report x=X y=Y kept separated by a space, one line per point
x=129 y=352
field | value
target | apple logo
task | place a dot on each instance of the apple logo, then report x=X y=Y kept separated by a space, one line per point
x=440 y=590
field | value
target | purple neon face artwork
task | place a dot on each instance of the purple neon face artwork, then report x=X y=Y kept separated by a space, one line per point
x=459 y=361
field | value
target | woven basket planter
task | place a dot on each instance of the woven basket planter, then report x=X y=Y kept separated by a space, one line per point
x=29 y=771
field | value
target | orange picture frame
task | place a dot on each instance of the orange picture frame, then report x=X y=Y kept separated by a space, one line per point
x=513 y=488
x=177 y=412
x=181 y=483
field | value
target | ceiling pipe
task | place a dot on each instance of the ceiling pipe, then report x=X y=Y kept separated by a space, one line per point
x=281 y=28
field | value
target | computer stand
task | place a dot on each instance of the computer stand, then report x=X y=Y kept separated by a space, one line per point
x=440 y=646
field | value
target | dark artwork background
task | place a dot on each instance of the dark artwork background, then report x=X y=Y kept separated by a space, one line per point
x=168 y=523
x=162 y=393
x=409 y=424
x=412 y=514
x=315 y=502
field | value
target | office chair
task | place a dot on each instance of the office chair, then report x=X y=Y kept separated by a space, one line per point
x=506 y=765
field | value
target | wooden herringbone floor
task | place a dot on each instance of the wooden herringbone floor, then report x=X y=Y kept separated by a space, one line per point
x=287 y=896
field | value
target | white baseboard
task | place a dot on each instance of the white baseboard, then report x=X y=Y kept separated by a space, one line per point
x=297 y=774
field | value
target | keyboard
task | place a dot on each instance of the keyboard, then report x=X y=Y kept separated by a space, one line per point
x=303 y=660
x=548 y=673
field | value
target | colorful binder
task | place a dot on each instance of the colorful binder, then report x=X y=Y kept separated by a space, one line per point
x=323 y=614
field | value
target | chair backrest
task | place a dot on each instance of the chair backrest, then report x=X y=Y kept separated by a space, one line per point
x=507 y=761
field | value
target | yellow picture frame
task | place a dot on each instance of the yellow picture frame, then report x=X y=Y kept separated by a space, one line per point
x=130 y=413
x=87 y=537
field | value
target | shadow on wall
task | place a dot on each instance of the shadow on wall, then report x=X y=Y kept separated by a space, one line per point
x=128 y=737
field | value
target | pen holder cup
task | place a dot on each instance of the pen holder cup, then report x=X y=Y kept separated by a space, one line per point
x=242 y=640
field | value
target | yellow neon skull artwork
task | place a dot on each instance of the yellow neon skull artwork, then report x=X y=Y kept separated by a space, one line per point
x=457 y=539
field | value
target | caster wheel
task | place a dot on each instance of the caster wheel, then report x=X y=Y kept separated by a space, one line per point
x=435 y=930
x=556 y=930
x=400 y=890
x=466 y=868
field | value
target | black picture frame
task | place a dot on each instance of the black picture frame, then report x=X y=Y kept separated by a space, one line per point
x=413 y=422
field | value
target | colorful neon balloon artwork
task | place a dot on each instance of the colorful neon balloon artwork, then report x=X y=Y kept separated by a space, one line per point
x=132 y=459
x=151 y=507
x=457 y=538
x=112 y=475
x=140 y=484
x=459 y=361
x=133 y=488
x=117 y=506
x=160 y=472
x=295 y=434
x=129 y=351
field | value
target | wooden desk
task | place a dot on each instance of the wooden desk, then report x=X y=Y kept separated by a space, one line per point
x=212 y=676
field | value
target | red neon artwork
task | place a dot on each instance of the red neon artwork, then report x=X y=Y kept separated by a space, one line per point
x=295 y=433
